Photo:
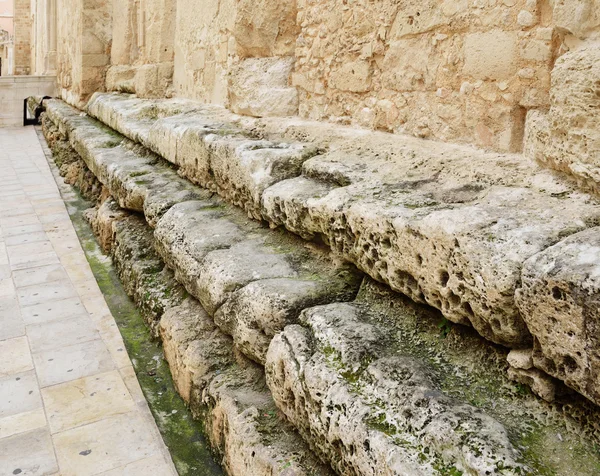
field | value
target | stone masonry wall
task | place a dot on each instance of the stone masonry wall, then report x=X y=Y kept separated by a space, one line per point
x=453 y=70
x=143 y=47
x=461 y=71
x=218 y=44
x=83 y=49
x=22 y=42
x=458 y=71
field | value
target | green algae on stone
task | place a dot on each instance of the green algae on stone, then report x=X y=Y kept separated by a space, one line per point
x=181 y=433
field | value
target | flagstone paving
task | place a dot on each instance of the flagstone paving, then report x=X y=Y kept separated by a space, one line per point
x=68 y=404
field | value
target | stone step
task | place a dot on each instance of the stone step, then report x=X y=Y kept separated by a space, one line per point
x=560 y=300
x=228 y=392
x=252 y=280
x=223 y=389
x=207 y=143
x=145 y=277
x=375 y=389
x=138 y=180
x=459 y=380
x=445 y=224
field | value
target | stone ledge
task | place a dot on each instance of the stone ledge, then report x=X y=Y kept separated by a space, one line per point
x=228 y=406
x=447 y=225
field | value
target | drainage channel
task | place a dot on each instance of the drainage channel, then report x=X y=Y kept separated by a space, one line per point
x=181 y=433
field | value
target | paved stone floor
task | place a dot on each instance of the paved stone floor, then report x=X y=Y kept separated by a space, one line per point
x=70 y=403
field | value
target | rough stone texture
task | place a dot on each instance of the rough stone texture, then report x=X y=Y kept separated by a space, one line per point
x=520 y=358
x=559 y=301
x=213 y=40
x=448 y=70
x=143 y=48
x=261 y=87
x=383 y=386
x=83 y=48
x=376 y=198
x=444 y=229
x=151 y=285
x=120 y=78
x=580 y=18
x=254 y=282
x=102 y=222
x=355 y=401
x=539 y=382
x=137 y=179
x=207 y=145
x=69 y=163
x=570 y=140
x=229 y=394
x=463 y=367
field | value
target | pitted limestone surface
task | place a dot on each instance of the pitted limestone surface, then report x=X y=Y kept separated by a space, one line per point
x=455 y=244
x=559 y=297
x=466 y=379
x=336 y=380
x=445 y=224
x=377 y=381
x=233 y=265
x=229 y=393
x=191 y=235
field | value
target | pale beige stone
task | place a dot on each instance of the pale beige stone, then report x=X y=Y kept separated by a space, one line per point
x=490 y=55
x=70 y=363
x=86 y=400
x=22 y=422
x=105 y=445
x=28 y=453
x=16 y=356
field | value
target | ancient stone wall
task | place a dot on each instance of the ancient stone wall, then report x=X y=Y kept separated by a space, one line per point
x=143 y=47
x=83 y=49
x=22 y=41
x=44 y=44
x=455 y=71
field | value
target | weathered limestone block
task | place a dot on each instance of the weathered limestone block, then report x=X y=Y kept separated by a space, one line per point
x=442 y=229
x=102 y=222
x=120 y=78
x=581 y=18
x=559 y=300
x=540 y=382
x=240 y=417
x=137 y=179
x=143 y=274
x=211 y=40
x=69 y=163
x=154 y=80
x=261 y=87
x=207 y=144
x=259 y=310
x=223 y=158
x=491 y=55
x=537 y=135
x=574 y=119
x=253 y=281
x=370 y=411
x=194 y=347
